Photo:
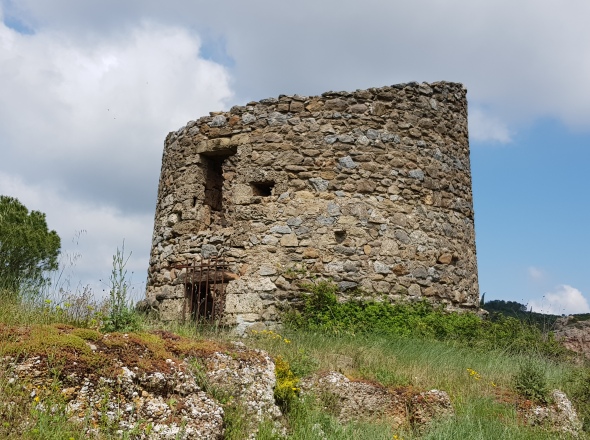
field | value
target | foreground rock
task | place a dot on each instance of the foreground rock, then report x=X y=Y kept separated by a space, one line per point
x=361 y=400
x=429 y=406
x=559 y=416
x=149 y=386
x=163 y=405
x=251 y=378
x=161 y=386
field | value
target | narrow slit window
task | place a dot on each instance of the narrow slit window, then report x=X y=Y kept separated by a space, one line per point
x=214 y=182
x=262 y=189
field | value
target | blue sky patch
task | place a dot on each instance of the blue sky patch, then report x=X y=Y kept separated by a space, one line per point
x=12 y=20
x=215 y=49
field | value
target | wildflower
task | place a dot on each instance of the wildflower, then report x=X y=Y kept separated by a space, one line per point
x=287 y=341
x=474 y=374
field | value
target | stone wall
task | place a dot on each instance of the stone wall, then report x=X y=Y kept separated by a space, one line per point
x=371 y=189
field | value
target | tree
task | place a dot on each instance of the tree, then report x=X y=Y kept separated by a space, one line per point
x=28 y=250
x=510 y=308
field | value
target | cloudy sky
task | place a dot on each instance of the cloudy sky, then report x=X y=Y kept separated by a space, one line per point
x=89 y=90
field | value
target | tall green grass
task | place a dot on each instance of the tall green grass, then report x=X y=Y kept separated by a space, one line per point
x=485 y=366
x=484 y=402
x=399 y=361
x=485 y=419
x=413 y=345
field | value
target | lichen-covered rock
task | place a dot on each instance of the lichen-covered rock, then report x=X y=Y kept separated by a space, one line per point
x=361 y=400
x=430 y=406
x=574 y=335
x=153 y=406
x=251 y=380
x=146 y=385
x=355 y=400
x=559 y=416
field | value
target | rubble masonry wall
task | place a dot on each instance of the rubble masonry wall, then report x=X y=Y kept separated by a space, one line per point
x=371 y=189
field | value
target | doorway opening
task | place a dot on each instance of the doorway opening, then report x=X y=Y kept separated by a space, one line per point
x=202 y=301
x=204 y=289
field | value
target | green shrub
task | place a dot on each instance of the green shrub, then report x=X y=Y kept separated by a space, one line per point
x=578 y=390
x=531 y=382
x=323 y=312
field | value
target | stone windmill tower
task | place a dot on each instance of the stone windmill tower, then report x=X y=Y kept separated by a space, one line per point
x=370 y=189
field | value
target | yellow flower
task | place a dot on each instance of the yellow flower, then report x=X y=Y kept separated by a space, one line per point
x=474 y=374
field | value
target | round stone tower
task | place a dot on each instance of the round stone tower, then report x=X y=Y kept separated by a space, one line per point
x=370 y=189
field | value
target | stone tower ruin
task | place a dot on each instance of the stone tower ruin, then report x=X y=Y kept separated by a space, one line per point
x=370 y=189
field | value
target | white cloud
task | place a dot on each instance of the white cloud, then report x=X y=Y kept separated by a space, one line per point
x=485 y=127
x=564 y=299
x=535 y=273
x=93 y=232
x=524 y=59
x=82 y=124
x=90 y=116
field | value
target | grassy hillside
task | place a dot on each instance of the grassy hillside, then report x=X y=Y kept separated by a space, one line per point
x=491 y=369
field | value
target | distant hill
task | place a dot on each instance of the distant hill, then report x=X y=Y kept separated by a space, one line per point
x=519 y=311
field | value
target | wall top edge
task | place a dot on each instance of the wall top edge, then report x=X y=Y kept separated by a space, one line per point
x=423 y=88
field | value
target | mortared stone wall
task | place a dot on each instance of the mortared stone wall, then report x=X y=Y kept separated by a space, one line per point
x=371 y=189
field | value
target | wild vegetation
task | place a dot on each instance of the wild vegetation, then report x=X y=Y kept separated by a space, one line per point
x=490 y=368
x=323 y=312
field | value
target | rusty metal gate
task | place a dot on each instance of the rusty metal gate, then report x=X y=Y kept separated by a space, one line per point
x=204 y=289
